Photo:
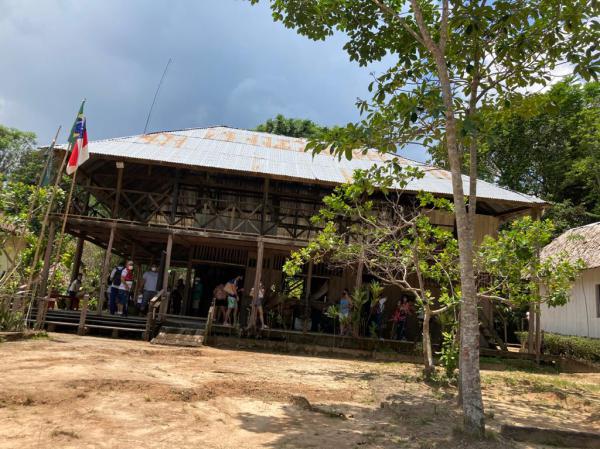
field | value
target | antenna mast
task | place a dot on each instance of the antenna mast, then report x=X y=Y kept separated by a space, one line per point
x=156 y=95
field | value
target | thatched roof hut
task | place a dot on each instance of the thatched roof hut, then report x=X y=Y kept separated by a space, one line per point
x=578 y=243
x=581 y=315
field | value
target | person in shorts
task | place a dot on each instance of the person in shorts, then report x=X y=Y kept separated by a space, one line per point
x=258 y=299
x=232 y=290
x=220 y=297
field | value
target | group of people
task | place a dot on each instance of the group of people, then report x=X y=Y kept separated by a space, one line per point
x=227 y=298
x=399 y=317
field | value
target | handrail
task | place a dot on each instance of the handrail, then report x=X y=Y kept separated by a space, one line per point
x=153 y=304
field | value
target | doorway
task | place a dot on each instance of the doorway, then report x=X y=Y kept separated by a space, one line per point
x=210 y=276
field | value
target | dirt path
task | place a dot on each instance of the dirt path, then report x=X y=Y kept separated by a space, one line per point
x=86 y=392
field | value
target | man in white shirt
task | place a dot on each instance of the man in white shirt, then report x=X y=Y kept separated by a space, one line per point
x=118 y=289
x=149 y=283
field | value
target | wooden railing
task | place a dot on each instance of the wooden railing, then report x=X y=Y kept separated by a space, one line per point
x=154 y=307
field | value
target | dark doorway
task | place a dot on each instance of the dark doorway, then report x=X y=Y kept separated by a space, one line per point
x=213 y=275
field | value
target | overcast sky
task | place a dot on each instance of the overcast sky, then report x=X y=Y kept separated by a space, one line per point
x=232 y=65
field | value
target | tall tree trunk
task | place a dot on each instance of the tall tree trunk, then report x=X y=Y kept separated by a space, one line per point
x=474 y=421
x=427 y=351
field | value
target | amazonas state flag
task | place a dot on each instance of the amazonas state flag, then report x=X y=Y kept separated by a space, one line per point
x=78 y=141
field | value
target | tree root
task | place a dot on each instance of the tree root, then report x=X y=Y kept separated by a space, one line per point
x=302 y=402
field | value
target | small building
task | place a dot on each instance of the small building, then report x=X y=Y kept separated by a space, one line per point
x=581 y=315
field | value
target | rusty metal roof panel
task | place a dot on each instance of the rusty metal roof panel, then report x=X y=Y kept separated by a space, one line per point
x=278 y=156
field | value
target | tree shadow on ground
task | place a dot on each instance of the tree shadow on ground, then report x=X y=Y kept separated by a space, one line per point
x=401 y=421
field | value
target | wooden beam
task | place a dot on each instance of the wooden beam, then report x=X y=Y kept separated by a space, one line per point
x=165 y=284
x=47 y=259
x=105 y=269
x=307 y=296
x=188 y=280
x=115 y=209
x=77 y=258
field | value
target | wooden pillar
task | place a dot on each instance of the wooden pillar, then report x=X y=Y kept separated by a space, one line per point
x=307 y=296
x=47 y=260
x=115 y=210
x=83 y=315
x=105 y=269
x=175 y=196
x=77 y=258
x=263 y=215
x=188 y=280
x=165 y=284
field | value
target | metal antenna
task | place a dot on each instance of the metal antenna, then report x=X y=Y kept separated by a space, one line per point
x=156 y=95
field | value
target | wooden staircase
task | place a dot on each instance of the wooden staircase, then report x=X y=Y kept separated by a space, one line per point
x=179 y=330
x=113 y=325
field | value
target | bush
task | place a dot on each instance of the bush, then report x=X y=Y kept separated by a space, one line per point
x=581 y=348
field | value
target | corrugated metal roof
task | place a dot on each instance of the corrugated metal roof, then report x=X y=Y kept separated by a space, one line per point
x=283 y=157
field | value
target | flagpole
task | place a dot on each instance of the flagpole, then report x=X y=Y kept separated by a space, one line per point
x=42 y=232
x=48 y=209
x=63 y=227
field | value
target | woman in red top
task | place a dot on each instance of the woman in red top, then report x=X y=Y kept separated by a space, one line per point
x=401 y=313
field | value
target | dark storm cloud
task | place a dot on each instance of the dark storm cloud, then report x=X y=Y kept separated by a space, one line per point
x=231 y=65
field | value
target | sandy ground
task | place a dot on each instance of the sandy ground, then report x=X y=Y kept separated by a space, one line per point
x=87 y=392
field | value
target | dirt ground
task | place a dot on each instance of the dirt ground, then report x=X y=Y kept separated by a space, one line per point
x=85 y=392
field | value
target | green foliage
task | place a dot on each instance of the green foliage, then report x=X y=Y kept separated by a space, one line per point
x=10 y=321
x=14 y=145
x=526 y=41
x=449 y=354
x=579 y=348
x=546 y=144
x=517 y=271
x=292 y=127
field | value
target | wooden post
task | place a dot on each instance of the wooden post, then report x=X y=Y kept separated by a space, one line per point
x=83 y=315
x=164 y=304
x=175 y=196
x=115 y=210
x=263 y=215
x=105 y=269
x=307 y=296
x=257 y=278
x=77 y=258
x=188 y=280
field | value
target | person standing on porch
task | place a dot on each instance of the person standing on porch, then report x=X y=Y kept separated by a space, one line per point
x=197 y=293
x=232 y=290
x=257 y=306
x=118 y=289
x=403 y=310
x=73 y=292
x=149 y=283
x=129 y=284
x=220 y=298
x=345 y=305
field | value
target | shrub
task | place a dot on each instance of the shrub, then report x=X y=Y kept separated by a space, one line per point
x=581 y=348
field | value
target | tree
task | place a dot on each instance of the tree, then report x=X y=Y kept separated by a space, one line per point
x=292 y=127
x=519 y=276
x=449 y=59
x=548 y=145
x=371 y=222
x=14 y=144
